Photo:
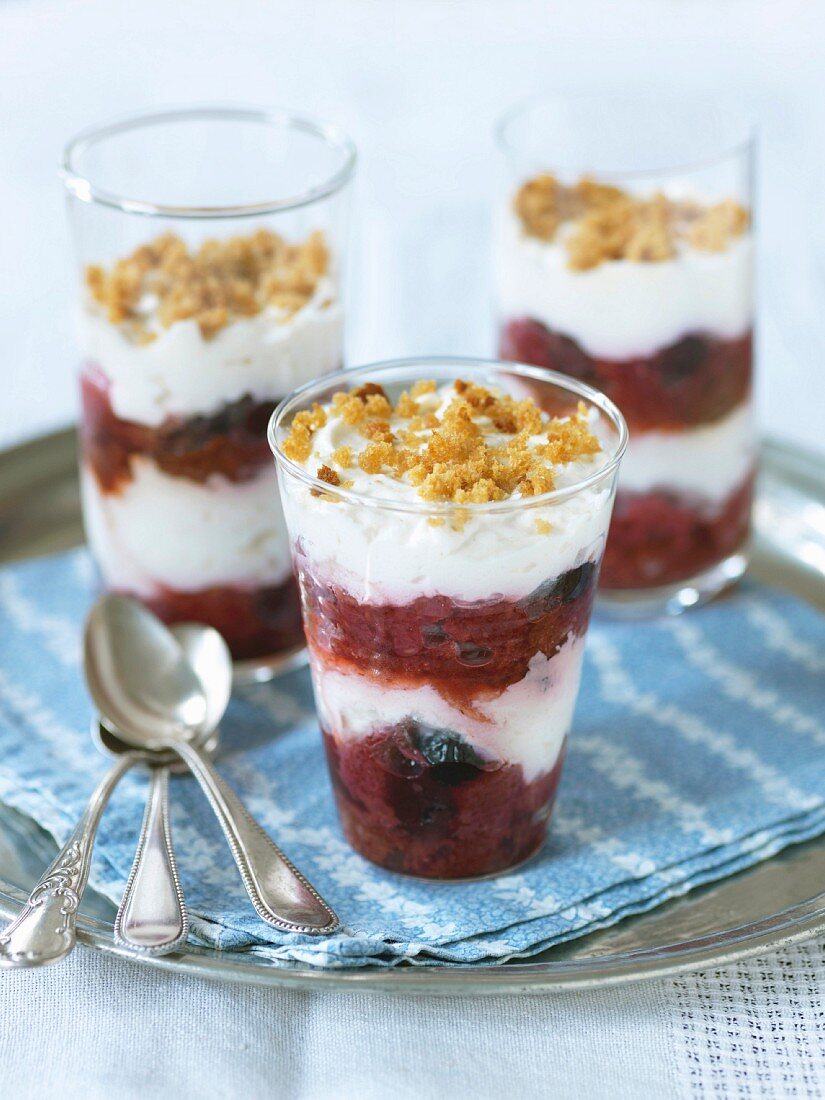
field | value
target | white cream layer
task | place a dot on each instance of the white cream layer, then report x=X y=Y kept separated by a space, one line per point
x=525 y=725
x=710 y=461
x=180 y=373
x=623 y=308
x=384 y=556
x=168 y=531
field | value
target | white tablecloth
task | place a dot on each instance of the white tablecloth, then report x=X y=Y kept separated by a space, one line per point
x=102 y=1029
x=417 y=82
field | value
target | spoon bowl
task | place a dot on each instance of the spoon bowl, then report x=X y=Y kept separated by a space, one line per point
x=139 y=675
x=211 y=661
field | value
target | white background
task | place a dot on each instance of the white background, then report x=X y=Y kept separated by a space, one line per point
x=418 y=84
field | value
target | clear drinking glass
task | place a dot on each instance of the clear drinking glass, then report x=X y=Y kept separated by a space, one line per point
x=446 y=641
x=624 y=258
x=211 y=245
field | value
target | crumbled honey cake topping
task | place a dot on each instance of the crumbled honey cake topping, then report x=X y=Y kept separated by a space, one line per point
x=218 y=283
x=460 y=457
x=327 y=474
x=330 y=476
x=605 y=223
x=342 y=457
x=298 y=445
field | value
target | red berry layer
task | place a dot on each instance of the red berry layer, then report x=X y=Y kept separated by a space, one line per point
x=662 y=538
x=256 y=622
x=231 y=442
x=464 y=650
x=697 y=380
x=421 y=802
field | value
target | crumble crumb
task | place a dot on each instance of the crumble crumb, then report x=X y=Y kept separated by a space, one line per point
x=300 y=437
x=214 y=285
x=606 y=223
x=378 y=430
x=422 y=387
x=327 y=474
x=342 y=457
x=485 y=446
x=714 y=226
x=543 y=527
x=406 y=407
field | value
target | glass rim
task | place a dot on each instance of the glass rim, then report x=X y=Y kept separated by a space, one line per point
x=397 y=370
x=743 y=144
x=82 y=187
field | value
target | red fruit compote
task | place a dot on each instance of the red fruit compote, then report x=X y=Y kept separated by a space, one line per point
x=447 y=537
x=646 y=295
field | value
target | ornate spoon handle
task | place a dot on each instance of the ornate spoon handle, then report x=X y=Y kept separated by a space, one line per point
x=44 y=931
x=152 y=917
x=279 y=892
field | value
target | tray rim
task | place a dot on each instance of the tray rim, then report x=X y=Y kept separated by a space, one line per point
x=795 y=924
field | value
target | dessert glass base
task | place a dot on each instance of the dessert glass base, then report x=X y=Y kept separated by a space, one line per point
x=672 y=599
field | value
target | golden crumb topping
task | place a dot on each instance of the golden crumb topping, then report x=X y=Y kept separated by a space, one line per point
x=483 y=445
x=218 y=283
x=606 y=223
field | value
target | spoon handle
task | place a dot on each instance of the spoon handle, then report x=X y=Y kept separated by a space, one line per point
x=279 y=892
x=44 y=931
x=152 y=917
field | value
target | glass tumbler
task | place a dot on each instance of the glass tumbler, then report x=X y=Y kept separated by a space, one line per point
x=623 y=257
x=210 y=245
x=446 y=641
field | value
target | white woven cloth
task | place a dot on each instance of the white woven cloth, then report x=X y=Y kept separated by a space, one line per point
x=97 y=1028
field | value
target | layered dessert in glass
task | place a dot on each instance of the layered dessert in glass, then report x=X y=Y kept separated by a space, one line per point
x=195 y=322
x=447 y=534
x=639 y=282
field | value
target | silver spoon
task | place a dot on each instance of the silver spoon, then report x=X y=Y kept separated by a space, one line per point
x=152 y=918
x=45 y=930
x=128 y=648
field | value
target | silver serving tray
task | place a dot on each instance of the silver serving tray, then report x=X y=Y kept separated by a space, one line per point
x=775 y=903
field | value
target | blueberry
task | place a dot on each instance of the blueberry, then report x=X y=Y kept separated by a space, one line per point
x=564 y=589
x=440 y=746
x=395 y=757
x=433 y=634
x=414 y=749
x=575 y=582
x=682 y=359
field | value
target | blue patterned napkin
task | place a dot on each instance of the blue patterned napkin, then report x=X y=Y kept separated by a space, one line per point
x=697 y=750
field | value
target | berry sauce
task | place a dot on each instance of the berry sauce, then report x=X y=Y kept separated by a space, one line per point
x=255 y=622
x=421 y=802
x=662 y=538
x=231 y=442
x=697 y=380
x=464 y=650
